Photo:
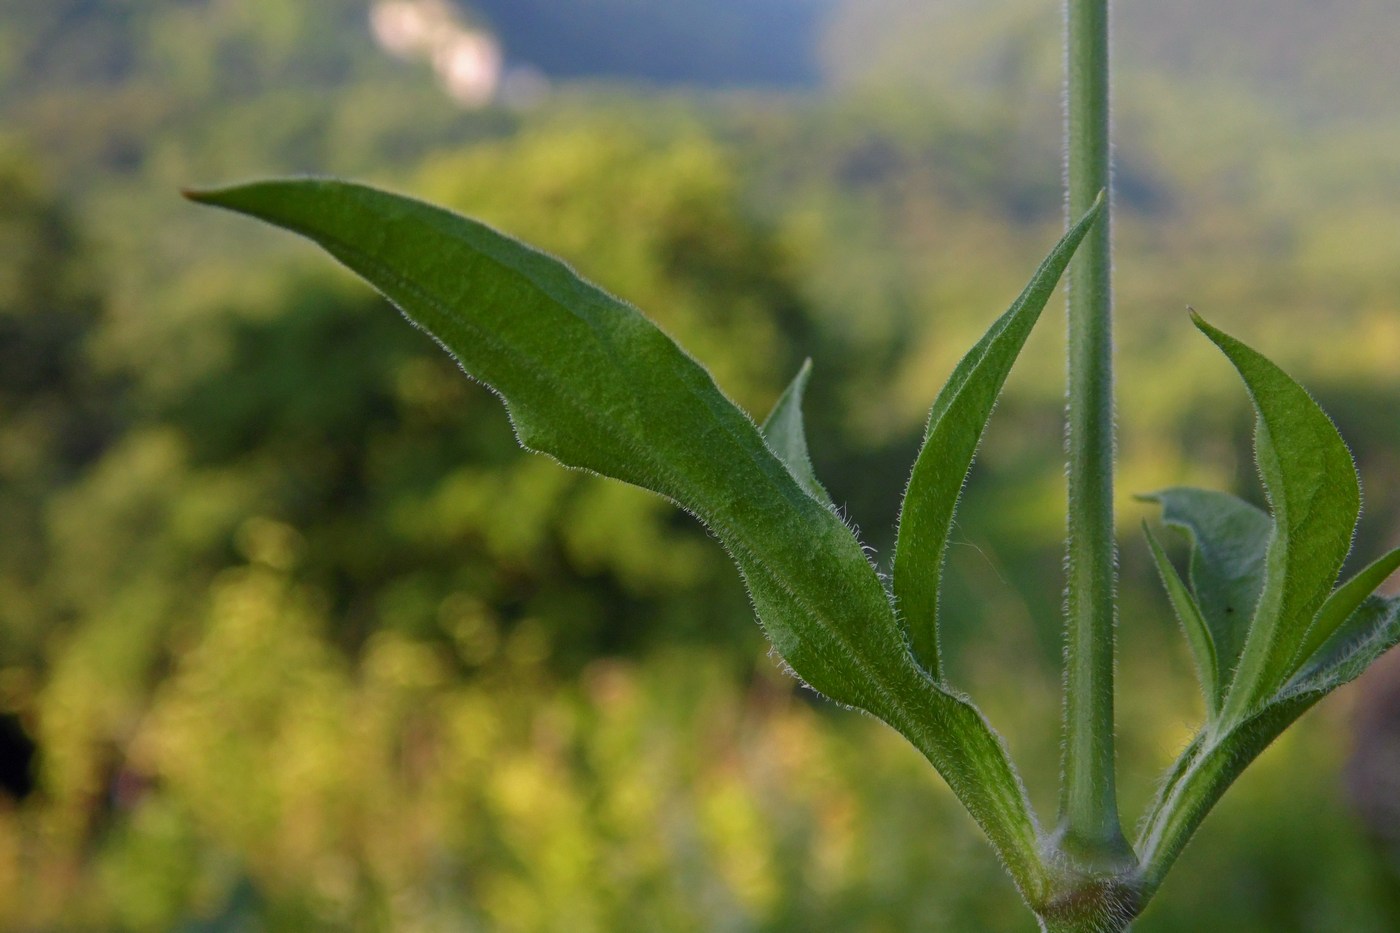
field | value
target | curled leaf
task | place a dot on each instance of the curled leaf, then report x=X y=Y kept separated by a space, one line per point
x=1229 y=539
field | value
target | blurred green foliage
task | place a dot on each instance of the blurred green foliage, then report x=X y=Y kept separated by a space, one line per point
x=306 y=643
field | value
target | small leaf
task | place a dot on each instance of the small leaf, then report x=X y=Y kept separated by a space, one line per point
x=1198 y=634
x=1311 y=484
x=1344 y=602
x=1229 y=540
x=1371 y=630
x=955 y=426
x=786 y=435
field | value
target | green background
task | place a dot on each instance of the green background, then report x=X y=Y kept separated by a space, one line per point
x=305 y=642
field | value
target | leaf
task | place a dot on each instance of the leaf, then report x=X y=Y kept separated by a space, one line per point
x=1229 y=540
x=1198 y=634
x=1371 y=630
x=1311 y=483
x=955 y=427
x=589 y=381
x=1313 y=490
x=785 y=434
x=1343 y=604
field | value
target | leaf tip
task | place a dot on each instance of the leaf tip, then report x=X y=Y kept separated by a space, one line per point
x=1214 y=334
x=219 y=196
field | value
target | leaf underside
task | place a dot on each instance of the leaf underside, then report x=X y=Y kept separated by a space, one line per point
x=591 y=382
x=1229 y=541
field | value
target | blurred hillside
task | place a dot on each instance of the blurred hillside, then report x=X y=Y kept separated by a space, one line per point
x=305 y=642
x=1315 y=62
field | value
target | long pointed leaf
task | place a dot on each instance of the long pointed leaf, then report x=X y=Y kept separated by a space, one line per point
x=1229 y=542
x=594 y=384
x=955 y=426
x=1312 y=487
x=1198 y=634
x=785 y=433
x=589 y=381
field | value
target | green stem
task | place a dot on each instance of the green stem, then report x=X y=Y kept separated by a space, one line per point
x=1090 y=831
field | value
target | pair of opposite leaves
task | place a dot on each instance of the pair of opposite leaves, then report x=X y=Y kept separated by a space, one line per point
x=592 y=383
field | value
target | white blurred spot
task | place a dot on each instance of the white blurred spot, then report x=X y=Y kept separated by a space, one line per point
x=468 y=61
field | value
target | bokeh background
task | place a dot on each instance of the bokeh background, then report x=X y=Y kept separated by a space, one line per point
x=292 y=637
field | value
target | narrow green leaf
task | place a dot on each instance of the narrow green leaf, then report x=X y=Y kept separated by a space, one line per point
x=786 y=435
x=589 y=381
x=1198 y=634
x=1313 y=490
x=1372 y=629
x=1343 y=604
x=1229 y=541
x=955 y=427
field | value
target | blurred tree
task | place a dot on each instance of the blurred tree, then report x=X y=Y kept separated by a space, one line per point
x=56 y=415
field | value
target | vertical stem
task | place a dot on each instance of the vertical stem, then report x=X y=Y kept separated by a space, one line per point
x=1089 y=825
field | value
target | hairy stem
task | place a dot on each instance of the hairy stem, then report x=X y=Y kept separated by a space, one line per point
x=1089 y=828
